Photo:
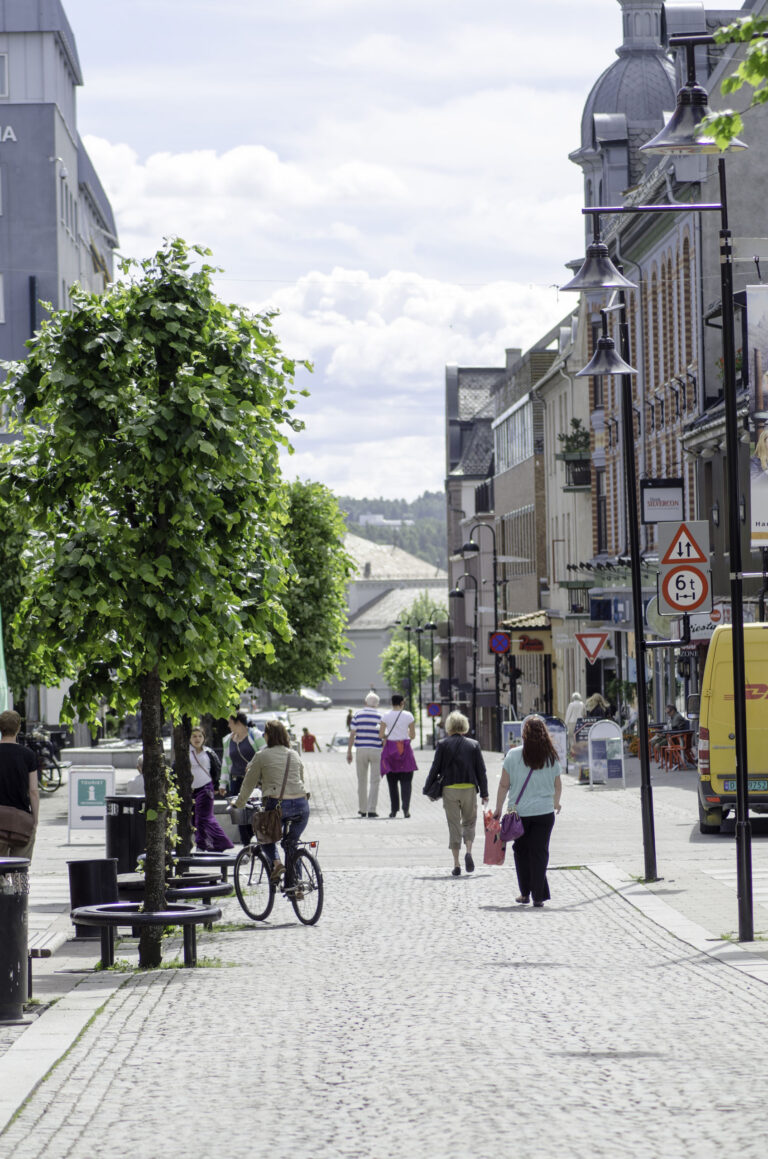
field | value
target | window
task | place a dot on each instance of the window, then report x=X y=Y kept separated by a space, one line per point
x=597 y=381
x=513 y=438
x=601 y=510
x=2 y=297
x=3 y=74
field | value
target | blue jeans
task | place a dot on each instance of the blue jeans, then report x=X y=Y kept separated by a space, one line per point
x=295 y=818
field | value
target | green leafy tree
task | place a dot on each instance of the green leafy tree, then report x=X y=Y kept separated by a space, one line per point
x=20 y=665
x=147 y=467
x=751 y=71
x=315 y=599
x=395 y=657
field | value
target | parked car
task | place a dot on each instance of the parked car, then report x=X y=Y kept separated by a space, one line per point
x=259 y=719
x=338 y=742
x=306 y=698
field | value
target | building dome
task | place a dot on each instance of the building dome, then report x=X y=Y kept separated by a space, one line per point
x=641 y=85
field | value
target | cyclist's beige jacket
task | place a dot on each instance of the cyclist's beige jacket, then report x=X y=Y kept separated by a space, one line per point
x=267 y=769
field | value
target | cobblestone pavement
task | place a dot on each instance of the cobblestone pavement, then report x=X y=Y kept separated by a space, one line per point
x=423 y=1016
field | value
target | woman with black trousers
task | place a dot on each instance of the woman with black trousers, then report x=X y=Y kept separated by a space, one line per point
x=533 y=768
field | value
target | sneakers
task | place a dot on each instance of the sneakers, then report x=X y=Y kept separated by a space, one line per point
x=278 y=869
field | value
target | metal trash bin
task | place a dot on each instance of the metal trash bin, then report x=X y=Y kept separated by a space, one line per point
x=91 y=882
x=14 y=893
x=126 y=830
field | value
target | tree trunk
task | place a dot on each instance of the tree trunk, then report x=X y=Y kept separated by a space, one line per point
x=150 y=943
x=181 y=733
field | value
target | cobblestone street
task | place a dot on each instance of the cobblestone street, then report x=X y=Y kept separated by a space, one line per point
x=423 y=1016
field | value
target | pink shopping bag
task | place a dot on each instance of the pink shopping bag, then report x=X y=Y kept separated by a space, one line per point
x=495 y=849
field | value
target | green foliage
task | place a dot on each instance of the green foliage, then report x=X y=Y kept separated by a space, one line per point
x=395 y=657
x=20 y=664
x=315 y=599
x=577 y=439
x=751 y=71
x=424 y=538
x=146 y=473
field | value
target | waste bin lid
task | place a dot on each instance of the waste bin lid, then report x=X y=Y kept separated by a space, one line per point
x=124 y=799
x=92 y=861
x=13 y=864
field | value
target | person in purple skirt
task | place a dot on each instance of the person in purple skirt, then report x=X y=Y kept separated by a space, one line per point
x=398 y=764
x=206 y=770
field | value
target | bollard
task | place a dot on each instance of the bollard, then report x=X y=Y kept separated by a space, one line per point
x=91 y=882
x=14 y=892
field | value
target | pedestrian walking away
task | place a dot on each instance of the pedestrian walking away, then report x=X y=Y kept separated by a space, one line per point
x=364 y=736
x=575 y=712
x=240 y=746
x=531 y=782
x=598 y=707
x=309 y=742
x=458 y=775
x=19 y=791
x=206 y=772
x=277 y=767
x=398 y=764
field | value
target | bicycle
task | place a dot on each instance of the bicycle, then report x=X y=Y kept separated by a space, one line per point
x=49 y=768
x=256 y=891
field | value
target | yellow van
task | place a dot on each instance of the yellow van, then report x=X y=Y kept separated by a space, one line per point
x=717 y=746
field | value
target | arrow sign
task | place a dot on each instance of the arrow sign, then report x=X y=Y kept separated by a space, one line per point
x=683 y=548
x=591 y=643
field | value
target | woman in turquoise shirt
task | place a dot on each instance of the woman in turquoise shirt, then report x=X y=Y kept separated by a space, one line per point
x=533 y=765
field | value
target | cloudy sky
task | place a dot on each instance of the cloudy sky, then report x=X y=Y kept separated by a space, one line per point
x=391 y=175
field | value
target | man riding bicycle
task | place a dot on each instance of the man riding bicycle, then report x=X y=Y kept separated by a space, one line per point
x=267 y=770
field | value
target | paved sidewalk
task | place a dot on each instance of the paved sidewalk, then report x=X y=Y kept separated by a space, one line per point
x=591 y=1022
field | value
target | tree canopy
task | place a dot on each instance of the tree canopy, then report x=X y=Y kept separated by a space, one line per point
x=751 y=71
x=315 y=598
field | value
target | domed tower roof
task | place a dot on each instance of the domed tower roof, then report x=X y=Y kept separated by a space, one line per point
x=639 y=86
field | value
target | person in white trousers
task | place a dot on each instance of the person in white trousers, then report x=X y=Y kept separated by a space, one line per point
x=364 y=735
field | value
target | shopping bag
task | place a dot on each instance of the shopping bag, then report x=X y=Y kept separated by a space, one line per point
x=495 y=849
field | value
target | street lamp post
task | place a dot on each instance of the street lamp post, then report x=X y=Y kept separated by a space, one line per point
x=458 y=593
x=432 y=628
x=408 y=629
x=419 y=633
x=472 y=548
x=683 y=134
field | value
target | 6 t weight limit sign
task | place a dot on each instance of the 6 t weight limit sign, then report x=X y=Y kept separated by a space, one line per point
x=684 y=589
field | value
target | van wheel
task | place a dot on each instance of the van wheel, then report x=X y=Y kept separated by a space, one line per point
x=710 y=820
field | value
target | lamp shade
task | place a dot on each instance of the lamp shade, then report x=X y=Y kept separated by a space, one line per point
x=598 y=272
x=683 y=132
x=605 y=360
x=456 y=594
x=430 y=627
x=469 y=548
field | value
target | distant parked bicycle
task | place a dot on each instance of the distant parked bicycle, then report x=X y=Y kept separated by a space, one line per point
x=49 y=767
x=256 y=891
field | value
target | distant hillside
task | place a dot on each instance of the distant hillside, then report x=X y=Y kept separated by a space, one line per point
x=424 y=538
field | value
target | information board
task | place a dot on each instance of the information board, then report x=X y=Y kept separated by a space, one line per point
x=89 y=787
x=606 y=755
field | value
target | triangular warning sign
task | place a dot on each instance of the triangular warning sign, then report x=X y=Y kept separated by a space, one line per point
x=684 y=548
x=591 y=643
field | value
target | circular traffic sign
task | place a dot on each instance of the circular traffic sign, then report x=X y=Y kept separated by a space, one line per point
x=499 y=642
x=434 y=708
x=685 y=588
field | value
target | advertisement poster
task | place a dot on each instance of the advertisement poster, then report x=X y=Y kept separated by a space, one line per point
x=757 y=320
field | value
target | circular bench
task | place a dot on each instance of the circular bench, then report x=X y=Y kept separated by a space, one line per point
x=110 y=915
x=223 y=861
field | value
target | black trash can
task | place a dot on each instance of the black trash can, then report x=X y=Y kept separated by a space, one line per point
x=14 y=892
x=92 y=882
x=126 y=830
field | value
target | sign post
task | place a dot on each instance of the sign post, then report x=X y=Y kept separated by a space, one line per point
x=685 y=577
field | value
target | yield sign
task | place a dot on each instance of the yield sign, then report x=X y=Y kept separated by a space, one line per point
x=683 y=548
x=591 y=643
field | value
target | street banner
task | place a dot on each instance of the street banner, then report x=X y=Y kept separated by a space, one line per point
x=757 y=322
x=5 y=700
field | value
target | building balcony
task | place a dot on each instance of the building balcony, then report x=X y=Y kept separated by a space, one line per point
x=578 y=470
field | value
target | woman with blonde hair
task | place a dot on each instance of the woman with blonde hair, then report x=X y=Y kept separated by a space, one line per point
x=458 y=775
x=531 y=782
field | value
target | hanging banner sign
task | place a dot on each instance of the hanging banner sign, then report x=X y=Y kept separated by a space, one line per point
x=591 y=643
x=661 y=499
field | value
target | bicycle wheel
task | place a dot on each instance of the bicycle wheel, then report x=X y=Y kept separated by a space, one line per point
x=306 y=893
x=254 y=890
x=49 y=777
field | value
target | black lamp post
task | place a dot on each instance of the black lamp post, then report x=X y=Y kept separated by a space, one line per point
x=419 y=633
x=432 y=628
x=408 y=629
x=458 y=594
x=468 y=549
x=683 y=134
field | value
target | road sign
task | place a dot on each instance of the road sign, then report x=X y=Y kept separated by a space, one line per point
x=685 y=581
x=499 y=642
x=434 y=708
x=591 y=643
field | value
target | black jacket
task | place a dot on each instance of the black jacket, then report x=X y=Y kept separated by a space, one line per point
x=458 y=761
